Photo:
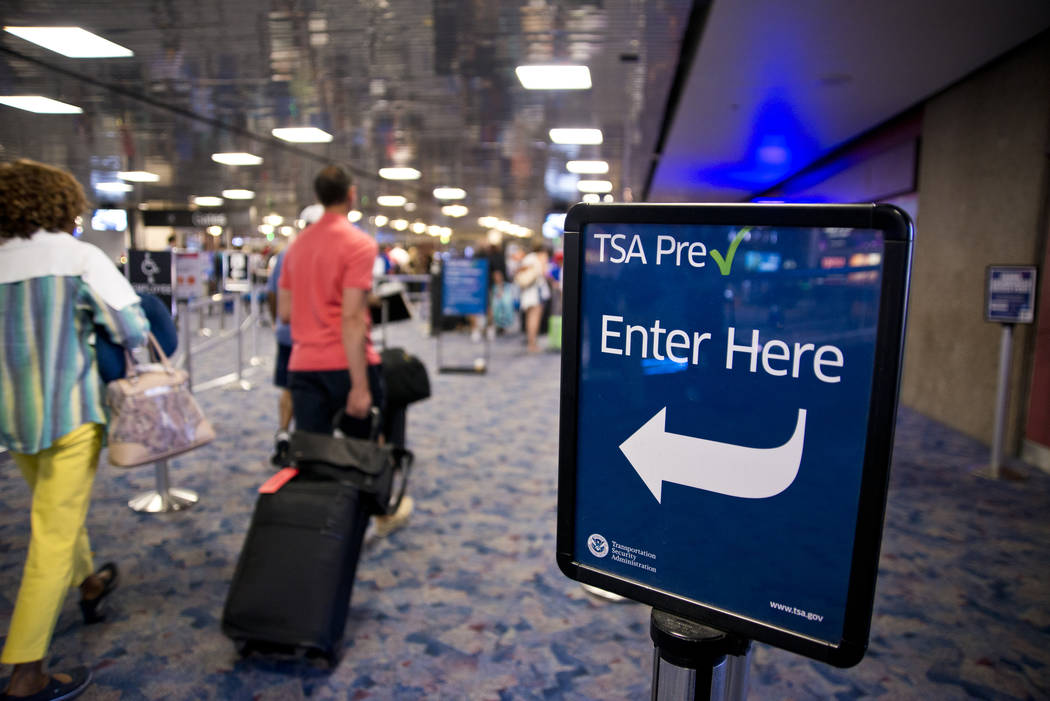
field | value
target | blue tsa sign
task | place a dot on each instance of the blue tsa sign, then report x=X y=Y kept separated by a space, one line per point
x=1010 y=294
x=464 y=286
x=729 y=389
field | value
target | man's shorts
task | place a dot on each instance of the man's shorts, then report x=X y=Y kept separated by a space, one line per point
x=280 y=371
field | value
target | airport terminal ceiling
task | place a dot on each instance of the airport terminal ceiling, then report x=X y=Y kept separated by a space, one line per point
x=696 y=101
x=426 y=85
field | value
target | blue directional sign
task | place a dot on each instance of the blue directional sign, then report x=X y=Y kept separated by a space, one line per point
x=728 y=400
x=464 y=286
x=1010 y=294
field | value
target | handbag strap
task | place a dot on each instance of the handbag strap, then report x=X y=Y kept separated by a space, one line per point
x=131 y=367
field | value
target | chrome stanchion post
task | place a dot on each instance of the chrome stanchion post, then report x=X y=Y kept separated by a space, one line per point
x=187 y=348
x=256 y=316
x=692 y=662
x=164 y=498
x=238 y=313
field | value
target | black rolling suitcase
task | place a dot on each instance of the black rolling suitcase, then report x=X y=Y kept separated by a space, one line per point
x=291 y=590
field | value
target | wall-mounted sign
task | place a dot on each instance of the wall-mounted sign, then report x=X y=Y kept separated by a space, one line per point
x=728 y=402
x=1010 y=294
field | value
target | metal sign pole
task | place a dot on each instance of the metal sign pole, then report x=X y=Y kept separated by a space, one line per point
x=692 y=662
x=1002 y=399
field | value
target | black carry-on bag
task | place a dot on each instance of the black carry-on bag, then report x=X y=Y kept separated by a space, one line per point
x=292 y=586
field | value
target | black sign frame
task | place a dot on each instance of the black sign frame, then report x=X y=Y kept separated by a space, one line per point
x=898 y=239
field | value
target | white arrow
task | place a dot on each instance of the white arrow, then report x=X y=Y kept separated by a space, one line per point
x=737 y=471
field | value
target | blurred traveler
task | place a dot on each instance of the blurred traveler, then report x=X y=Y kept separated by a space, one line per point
x=323 y=292
x=531 y=279
x=283 y=334
x=54 y=291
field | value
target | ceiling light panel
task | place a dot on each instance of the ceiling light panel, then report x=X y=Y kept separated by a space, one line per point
x=113 y=187
x=390 y=200
x=302 y=135
x=73 y=42
x=552 y=77
x=588 y=167
x=207 y=201
x=236 y=194
x=138 y=176
x=594 y=186
x=576 y=136
x=237 y=158
x=449 y=193
x=399 y=173
x=39 y=104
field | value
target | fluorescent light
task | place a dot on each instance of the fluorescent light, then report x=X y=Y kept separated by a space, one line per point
x=449 y=193
x=214 y=230
x=554 y=77
x=488 y=222
x=206 y=201
x=354 y=215
x=113 y=187
x=608 y=198
x=73 y=42
x=454 y=210
x=381 y=219
x=594 y=186
x=588 y=167
x=390 y=200
x=419 y=227
x=138 y=176
x=399 y=224
x=303 y=135
x=287 y=230
x=266 y=228
x=434 y=230
x=399 y=173
x=273 y=219
x=237 y=158
x=576 y=136
x=39 y=104
x=592 y=198
x=237 y=194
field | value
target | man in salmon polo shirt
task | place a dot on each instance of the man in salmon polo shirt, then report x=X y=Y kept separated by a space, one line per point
x=323 y=289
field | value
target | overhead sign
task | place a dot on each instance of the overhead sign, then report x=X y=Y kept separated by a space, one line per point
x=150 y=272
x=183 y=218
x=1010 y=294
x=464 y=286
x=729 y=387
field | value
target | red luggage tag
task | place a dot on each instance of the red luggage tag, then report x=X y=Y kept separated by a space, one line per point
x=280 y=479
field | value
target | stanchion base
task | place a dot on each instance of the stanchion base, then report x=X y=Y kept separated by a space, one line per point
x=153 y=502
x=242 y=385
x=1007 y=474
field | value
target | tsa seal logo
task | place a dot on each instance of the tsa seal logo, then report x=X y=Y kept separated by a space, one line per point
x=597 y=544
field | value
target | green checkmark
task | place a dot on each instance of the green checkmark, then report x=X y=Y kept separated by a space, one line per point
x=726 y=264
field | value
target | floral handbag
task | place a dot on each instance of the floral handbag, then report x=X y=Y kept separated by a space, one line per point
x=152 y=413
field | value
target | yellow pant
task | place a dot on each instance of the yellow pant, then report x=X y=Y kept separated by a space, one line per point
x=60 y=480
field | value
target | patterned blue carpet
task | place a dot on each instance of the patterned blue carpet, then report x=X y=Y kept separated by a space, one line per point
x=466 y=602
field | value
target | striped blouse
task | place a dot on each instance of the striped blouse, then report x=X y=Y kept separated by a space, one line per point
x=54 y=290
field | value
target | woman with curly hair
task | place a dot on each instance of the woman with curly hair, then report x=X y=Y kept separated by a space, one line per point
x=54 y=291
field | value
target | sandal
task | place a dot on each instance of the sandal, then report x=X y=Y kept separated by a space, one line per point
x=89 y=607
x=80 y=679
